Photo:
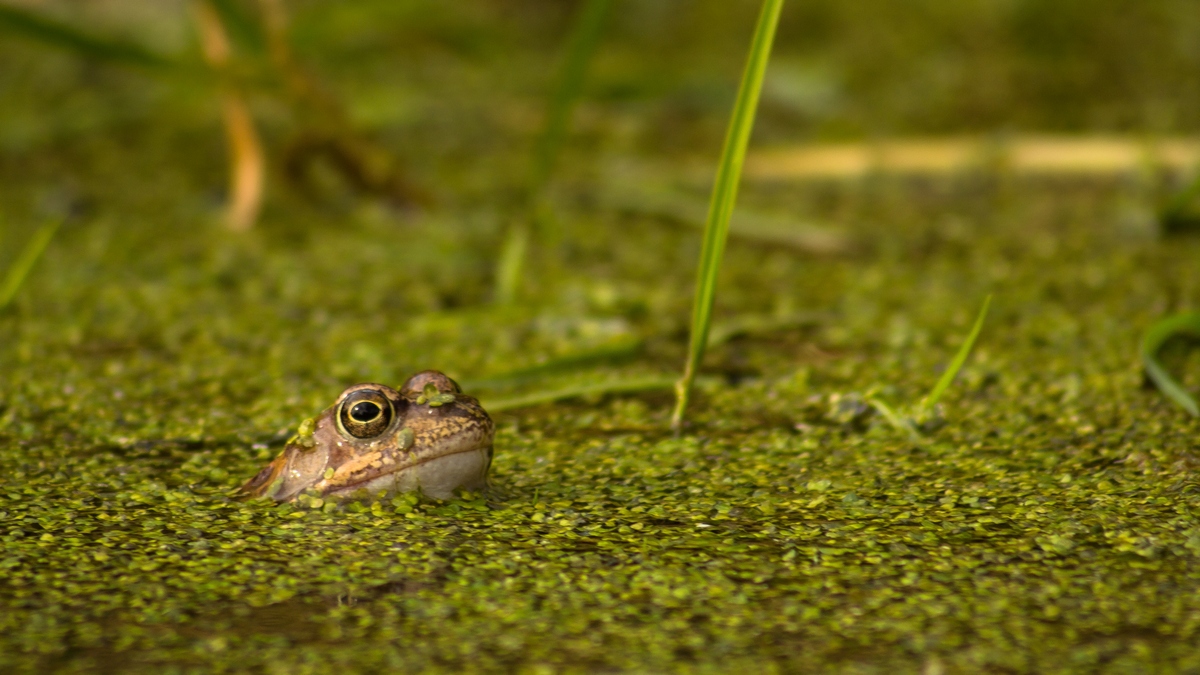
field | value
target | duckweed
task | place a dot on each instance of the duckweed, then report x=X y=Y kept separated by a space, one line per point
x=1048 y=525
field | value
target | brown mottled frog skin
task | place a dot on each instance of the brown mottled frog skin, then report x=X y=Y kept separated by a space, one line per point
x=427 y=436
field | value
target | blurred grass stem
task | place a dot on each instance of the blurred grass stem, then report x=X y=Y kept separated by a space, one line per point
x=724 y=197
x=24 y=263
x=581 y=45
x=894 y=418
x=512 y=260
x=628 y=386
x=585 y=35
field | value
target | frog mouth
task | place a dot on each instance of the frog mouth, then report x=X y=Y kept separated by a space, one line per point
x=348 y=488
x=260 y=485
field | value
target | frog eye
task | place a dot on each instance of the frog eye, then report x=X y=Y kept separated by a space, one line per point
x=365 y=413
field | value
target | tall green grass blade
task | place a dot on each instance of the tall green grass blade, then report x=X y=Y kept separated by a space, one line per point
x=1187 y=323
x=25 y=261
x=959 y=360
x=724 y=196
x=585 y=35
x=35 y=27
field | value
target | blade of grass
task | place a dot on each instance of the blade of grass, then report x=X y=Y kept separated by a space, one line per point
x=575 y=391
x=1187 y=323
x=585 y=35
x=620 y=351
x=745 y=224
x=956 y=365
x=512 y=261
x=724 y=196
x=36 y=27
x=759 y=324
x=25 y=261
x=898 y=421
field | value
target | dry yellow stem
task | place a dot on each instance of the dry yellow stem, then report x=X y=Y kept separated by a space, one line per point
x=1034 y=154
x=246 y=155
x=246 y=177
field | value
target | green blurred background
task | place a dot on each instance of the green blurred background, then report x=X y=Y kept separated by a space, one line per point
x=456 y=93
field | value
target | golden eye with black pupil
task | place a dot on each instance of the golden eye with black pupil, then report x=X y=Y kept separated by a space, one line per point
x=365 y=413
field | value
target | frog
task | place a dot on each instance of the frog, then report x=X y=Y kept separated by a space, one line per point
x=426 y=436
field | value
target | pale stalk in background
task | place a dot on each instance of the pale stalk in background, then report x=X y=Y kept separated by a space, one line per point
x=247 y=164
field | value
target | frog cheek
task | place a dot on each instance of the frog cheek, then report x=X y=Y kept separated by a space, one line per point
x=302 y=471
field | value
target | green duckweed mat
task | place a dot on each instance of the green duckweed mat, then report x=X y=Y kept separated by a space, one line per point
x=1047 y=525
x=1045 y=522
